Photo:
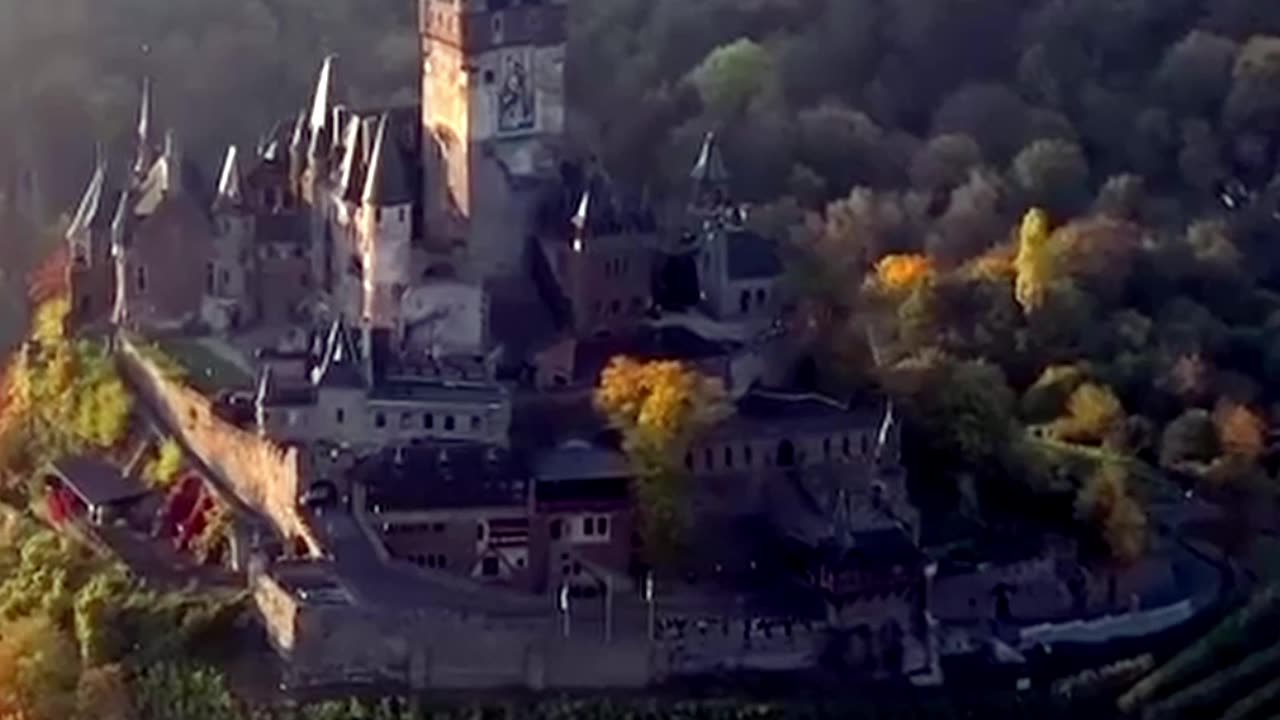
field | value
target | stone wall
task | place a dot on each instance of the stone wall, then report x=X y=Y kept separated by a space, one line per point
x=264 y=476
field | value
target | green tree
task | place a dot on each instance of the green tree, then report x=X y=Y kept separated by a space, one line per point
x=1194 y=76
x=166 y=691
x=1053 y=174
x=1191 y=438
x=731 y=75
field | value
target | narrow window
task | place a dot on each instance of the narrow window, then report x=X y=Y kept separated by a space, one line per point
x=708 y=458
x=428 y=421
x=728 y=456
x=588 y=526
x=557 y=529
x=209 y=276
x=744 y=301
x=602 y=526
x=340 y=415
x=746 y=455
x=380 y=420
x=449 y=423
x=140 y=278
x=475 y=423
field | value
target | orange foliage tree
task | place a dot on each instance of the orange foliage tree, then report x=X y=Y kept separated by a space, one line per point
x=1241 y=433
x=659 y=407
x=903 y=273
x=1106 y=501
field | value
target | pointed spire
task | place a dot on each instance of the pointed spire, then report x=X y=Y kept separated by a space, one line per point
x=120 y=221
x=340 y=366
x=322 y=103
x=172 y=163
x=298 y=138
x=386 y=182
x=92 y=206
x=710 y=168
x=145 y=151
x=582 y=217
x=352 y=161
x=145 y=110
x=263 y=395
x=230 y=183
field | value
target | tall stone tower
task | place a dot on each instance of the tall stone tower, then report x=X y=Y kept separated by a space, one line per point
x=493 y=120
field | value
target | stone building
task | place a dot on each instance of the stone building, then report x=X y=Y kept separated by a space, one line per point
x=340 y=396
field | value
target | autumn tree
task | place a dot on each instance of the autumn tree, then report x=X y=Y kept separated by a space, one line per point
x=1047 y=396
x=1094 y=415
x=102 y=693
x=897 y=274
x=660 y=407
x=1105 y=502
x=38 y=670
x=1241 y=433
x=1034 y=271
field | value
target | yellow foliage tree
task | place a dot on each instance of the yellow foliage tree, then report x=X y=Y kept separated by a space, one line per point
x=903 y=273
x=103 y=694
x=1241 y=433
x=1094 y=414
x=1106 y=502
x=1032 y=266
x=39 y=669
x=659 y=407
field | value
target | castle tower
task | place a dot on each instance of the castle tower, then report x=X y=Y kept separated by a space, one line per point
x=385 y=228
x=493 y=120
x=91 y=275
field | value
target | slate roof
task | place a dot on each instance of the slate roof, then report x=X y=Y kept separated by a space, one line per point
x=781 y=412
x=94 y=211
x=752 y=256
x=446 y=476
x=285 y=227
x=387 y=182
x=709 y=167
x=96 y=482
x=652 y=343
x=395 y=389
x=579 y=460
x=272 y=393
x=340 y=366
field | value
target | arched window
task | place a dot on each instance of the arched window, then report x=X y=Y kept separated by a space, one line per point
x=744 y=301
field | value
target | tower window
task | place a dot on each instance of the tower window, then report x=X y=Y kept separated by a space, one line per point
x=140 y=278
x=380 y=420
x=498 y=26
x=340 y=415
x=449 y=423
x=489 y=77
x=428 y=421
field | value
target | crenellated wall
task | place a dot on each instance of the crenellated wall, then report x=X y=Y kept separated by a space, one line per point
x=266 y=477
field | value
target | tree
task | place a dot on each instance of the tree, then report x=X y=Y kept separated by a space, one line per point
x=972 y=221
x=1094 y=415
x=965 y=410
x=1254 y=101
x=1047 y=397
x=731 y=75
x=103 y=694
x=1191 y=438
x=1200 y=159
x=166 y=691
x=162 y=470
x=993 y=115
x=1121 y=198
x=1195 y=75
x=1105 y=501
x=945 y=162
x=1032 y=265
x=1053 y=174
x=38 y=670
x=660 y=407
x=897 y=274
x=1241 y=433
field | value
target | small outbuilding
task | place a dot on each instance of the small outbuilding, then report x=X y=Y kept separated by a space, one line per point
x=99 y=488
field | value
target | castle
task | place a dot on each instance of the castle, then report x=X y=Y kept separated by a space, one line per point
x=419 y=301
